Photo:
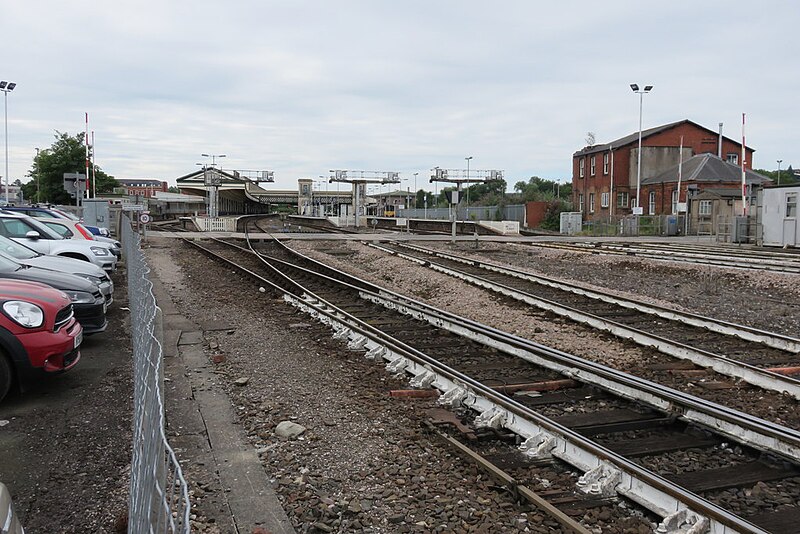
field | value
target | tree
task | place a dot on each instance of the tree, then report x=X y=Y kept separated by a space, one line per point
x=66 y=155
x=540 y=189
x=787 y=175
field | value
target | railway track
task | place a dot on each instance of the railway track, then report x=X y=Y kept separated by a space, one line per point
x=758 y=357
x=509 y=387
x=706 y=254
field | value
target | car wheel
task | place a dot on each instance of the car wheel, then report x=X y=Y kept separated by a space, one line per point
x=5 y=376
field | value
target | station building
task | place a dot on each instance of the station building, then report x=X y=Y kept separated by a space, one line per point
x=604 y=176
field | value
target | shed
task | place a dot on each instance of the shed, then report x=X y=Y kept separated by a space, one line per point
x=779 y=216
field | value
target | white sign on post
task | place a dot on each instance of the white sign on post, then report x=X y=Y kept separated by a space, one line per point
x=144 y=218
x=638 y=210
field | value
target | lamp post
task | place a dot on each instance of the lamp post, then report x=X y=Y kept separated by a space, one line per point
x=214 y=157
x=38 y=171
x=635 y=89
x=468 y=158
x=415 y=190
x=6 y=87
x=779 y=171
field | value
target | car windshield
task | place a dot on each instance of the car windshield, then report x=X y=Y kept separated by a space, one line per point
x=15 y=250
x=60 y=229
x=67 y=215
x=19 y=226
x=8 y=265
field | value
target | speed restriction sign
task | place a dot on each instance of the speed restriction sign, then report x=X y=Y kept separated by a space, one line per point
x=144 y=218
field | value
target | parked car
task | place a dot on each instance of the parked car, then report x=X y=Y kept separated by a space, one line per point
x=84 y=269
x=38 y=333
x=32 y=233
x=55 y=213
x=8 y=518
x=87 y=301
x=70 y=229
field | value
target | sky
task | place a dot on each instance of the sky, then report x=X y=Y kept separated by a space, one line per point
x=303 y=87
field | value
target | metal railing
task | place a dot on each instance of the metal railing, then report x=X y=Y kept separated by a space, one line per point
x=159 y=496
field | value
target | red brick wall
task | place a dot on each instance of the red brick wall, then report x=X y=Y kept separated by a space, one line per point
x=534 y=213
x=694 y=137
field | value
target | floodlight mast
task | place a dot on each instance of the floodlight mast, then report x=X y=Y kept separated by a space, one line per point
x=459 y=177
x=359 y=184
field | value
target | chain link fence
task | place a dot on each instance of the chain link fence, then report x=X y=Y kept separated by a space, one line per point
x=159 y=497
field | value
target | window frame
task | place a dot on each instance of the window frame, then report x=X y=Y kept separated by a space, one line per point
x=623 y=199
x=580 y=202
x=581 y=167
x=709 y=204
x=605 y=198
x=651 y=203
x=791 y=205
x=732 y=156
x=593 y=166
x=591 y=202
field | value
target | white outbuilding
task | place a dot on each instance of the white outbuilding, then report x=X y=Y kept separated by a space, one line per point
x=779 y=216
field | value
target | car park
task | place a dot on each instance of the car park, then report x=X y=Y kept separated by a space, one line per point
x=70 y=229
x=87 y=301
x=84 y=269
x=32 y=233
x=39 y=333
x=55 y=213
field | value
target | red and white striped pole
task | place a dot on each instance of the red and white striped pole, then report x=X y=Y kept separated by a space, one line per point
x=86 y=139
x=744 y=184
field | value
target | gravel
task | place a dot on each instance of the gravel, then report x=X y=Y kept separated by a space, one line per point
x=595 y=271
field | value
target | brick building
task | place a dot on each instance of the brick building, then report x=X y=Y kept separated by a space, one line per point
x=143 y=187
x=604 y=176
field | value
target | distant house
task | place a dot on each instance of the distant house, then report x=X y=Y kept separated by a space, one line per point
x=604 y=176
x=704 y=172
x=143 y=187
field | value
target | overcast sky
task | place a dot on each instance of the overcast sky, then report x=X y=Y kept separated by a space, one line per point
x=301 y=87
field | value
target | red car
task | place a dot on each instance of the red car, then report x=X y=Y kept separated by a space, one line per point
x=38 y=333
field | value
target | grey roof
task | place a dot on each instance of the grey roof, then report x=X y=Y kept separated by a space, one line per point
x=706 y=168
x=634 y=138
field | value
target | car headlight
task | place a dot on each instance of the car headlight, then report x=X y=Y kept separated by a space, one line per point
x=100 y=251
x=24 y=313
x=80 y=297
x=94 y=279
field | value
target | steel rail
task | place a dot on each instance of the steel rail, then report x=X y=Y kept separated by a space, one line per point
x=770 y=339
x=703 y=259
x=739 y=426
x=605 y=471
x=722 y=364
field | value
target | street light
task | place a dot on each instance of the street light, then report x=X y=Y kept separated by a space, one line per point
x=214 y=157
x=635 y=89
x=6 y=87
x=468 y=158
x=38 y=171
x=779 y=171
x=415 y=190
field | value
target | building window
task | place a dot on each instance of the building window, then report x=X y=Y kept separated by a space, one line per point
x=791 y=205
x=674 y=201
x=705 y=208
x=591 y=168
x=581 y=165
x=733 y=158
x=580 y=202
x=591 y=202
x=652 y=203
x=622 y=200
x=605 y=163
x=604 y=198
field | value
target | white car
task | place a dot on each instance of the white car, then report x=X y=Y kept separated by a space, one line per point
x=33 y=234
x=70 y=229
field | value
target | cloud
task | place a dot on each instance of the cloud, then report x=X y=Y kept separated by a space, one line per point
x=307 y=86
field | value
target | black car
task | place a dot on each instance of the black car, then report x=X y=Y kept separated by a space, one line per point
x=87 y=301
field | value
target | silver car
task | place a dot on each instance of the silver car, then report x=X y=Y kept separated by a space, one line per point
x=84 y=269
x=33 y=234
